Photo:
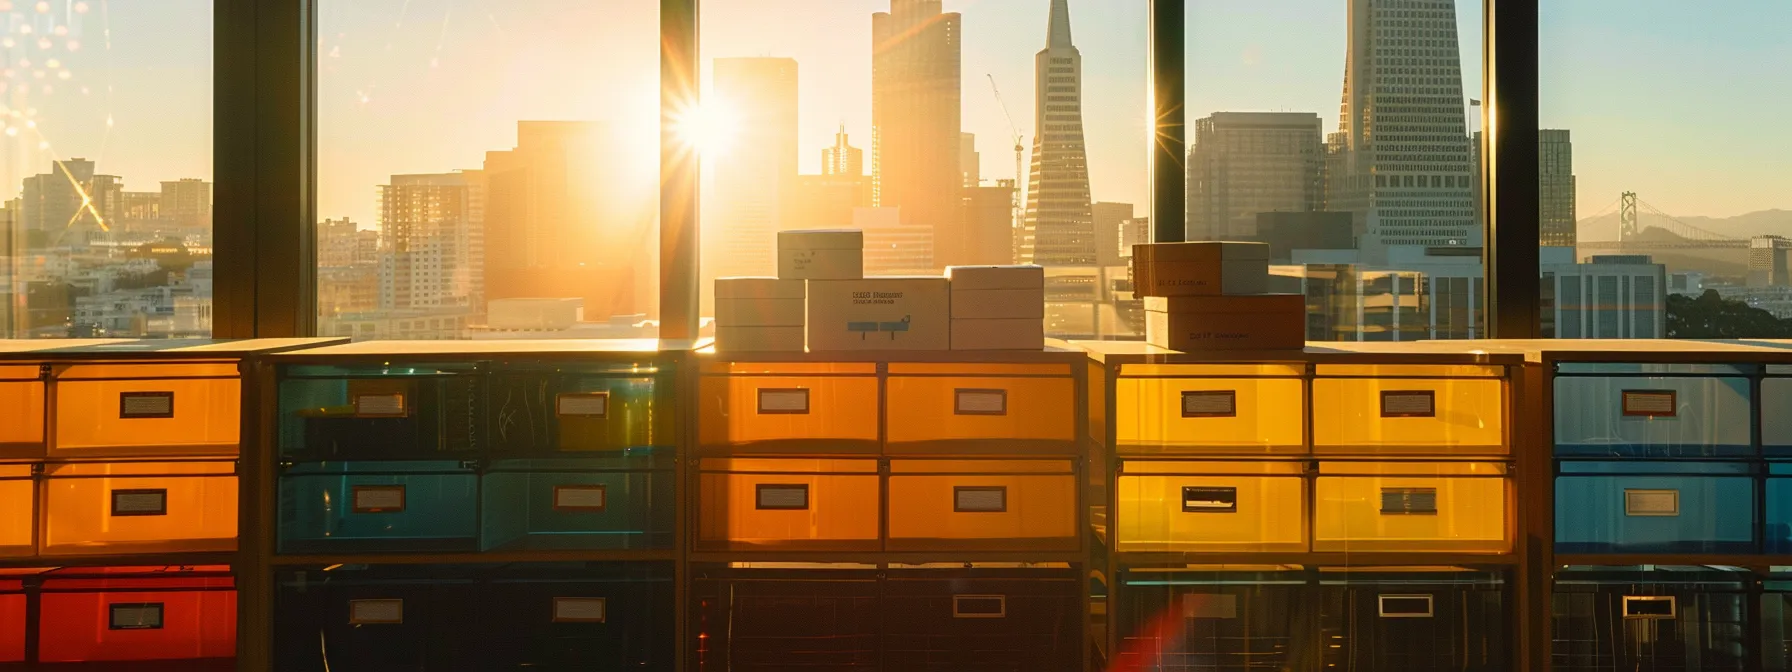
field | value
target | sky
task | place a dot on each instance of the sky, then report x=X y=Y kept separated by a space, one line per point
x=1675 y=100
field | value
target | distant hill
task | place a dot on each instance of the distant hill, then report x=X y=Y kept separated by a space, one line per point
x=1766 y=222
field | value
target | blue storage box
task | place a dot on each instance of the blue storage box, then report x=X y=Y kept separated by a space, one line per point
x=1776 y=411
x=1777 y=535
x=1651 y=618
x=379 y=506
x=620 y=502
x=375 y=412
x=1646 y=506
x=540 y=409
x=1653 y=410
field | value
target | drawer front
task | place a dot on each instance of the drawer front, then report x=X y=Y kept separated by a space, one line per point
x=1409 y=415
x=1211 y=513
x=1682 y=514
x=948 y=409
x=138 y=626
x=1776 y=412
x=378 y=512
x=18 y=510
x=1369 y=513
x=567 y=510
x=139 y=514
x=823 y=413
x=547 y=414
x=774 y=511
x=22 y=404
x=147 y=417
x=12 y=628
x=1019 y=512
x=1660 y=417
x=1209 y=415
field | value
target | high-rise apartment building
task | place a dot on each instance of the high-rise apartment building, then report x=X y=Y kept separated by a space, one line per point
x=1556 y=224
x=1059 y=221
x=1399 y=162
x=842 y=158
x=568 y=215
x=755 y=179
x=988 y=232
x=1109 y=218
x=426 y=232
x=1241 y=164
x=187 y=204
x=969 y=161
x=916 y=113
x=69 y=203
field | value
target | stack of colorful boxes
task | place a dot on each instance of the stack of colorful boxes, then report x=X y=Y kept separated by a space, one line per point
x=487 y=505
x=1307 y=510
x=1207 y=296
x=889 y=511
x=118 y=501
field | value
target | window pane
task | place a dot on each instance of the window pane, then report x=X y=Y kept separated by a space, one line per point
x=488 y=169
x=1667 y=153
x=106 y=111
x=1369 y=210
x=951 y=133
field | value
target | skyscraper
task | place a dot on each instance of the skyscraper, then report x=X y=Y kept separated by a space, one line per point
x=842 y=158
x=755 y=178
x=915 y=114
x=426 y=235
x=1109 y=218
x=187 y=203
x=1556 y=221
x=62 y=207
x=1244 y=163
x=969 y=161
x=1059 y=220
x=1399 y=162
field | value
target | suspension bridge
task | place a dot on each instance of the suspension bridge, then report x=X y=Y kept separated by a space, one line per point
x=1631 y=236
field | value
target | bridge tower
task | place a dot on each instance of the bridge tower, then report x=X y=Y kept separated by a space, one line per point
x=1627 y=223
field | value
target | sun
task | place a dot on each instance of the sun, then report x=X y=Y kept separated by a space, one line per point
x=708 y=127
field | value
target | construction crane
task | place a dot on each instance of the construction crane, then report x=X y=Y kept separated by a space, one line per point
x=1020 y=150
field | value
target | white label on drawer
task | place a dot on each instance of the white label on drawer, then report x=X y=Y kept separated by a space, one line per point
x=1413 y=501
x=1210 y=404
x=1651 y=403
x=1198 y=499
x=979 y=606
x=1654 y=607
x=1408 y=404
x=784 y=400
x=782 y=497
x=378 y=498
x=136 y=616
x=1661 y=503
x=144 y=502
x=380 y=406
x=589 y=405
x=980 y=499
x=375 y=612
x=579 y=497
x=580 y=609
x=1406 y=606
x=134 y=405
x=1209 y=605
x=980 y=402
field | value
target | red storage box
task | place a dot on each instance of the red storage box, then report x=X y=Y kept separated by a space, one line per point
x=12 y=620
x=139 y=614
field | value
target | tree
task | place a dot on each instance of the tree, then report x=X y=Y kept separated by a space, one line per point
x=1712 y=316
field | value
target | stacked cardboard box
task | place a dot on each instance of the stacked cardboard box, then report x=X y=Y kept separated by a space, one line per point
x=759 y=314
x=997 y=307
x=1211 y=296
x=821 y=254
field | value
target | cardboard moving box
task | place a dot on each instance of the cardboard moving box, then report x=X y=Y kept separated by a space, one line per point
x=1200 y=268
x=759 y=339
x=759 y=302
x=997 y=292
x=821 y=254
x=999 y=334
x=1196 y=323
x=888 y=313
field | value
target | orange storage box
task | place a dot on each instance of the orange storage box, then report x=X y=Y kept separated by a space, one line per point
x=981 y=408
x=22 y=406
x=109 y=508
x=787 y=504
x=133 y=615
x=783 y=407
x=114 y=409
x=1210 y=409
x=983 y=505
x=18 y=510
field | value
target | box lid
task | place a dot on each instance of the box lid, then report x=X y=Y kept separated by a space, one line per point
x=1234 y=303
x=1199 y=251
x=759 y=288
x=1025 y=276
x=822 y=239
x=888 y=279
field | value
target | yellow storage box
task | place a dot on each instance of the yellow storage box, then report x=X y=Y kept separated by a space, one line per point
x=981 y=408
x=1201 y=507
x=1445 y=410
x=106 y=508
x=788 y=407
x=1210 y=409
x=787 y=504
x=983 y=505
x=114 y=410
x=1412 y=506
